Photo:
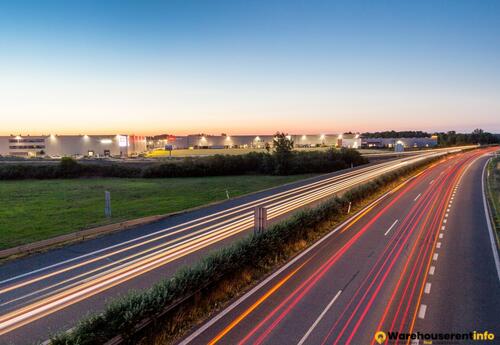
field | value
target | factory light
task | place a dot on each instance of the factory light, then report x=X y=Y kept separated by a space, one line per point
x=18 y=137
x=304 y=137
x=340 y=136
x=322 y=136
x=257 y=138
x=106 y=141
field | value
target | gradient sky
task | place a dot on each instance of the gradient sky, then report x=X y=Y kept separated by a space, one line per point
x=183 y=66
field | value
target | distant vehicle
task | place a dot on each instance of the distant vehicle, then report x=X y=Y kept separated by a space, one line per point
x=55 y=157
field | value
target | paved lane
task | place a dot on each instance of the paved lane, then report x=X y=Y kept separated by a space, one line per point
x=48 y=292
x=463 y=294
x=365 y=276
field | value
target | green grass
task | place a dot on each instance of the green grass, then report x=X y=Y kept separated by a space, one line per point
x=32 y=210
x=494 y=190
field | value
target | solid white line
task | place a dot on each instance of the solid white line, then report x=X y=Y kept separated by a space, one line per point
x=488 y=222
x=418 y=196
x=431 y=270
x=435 y=257
x=421 y=312
x=427 y=289
x=243 y=298
x=214 y=216
x=309 y=331
x=395 y=222
x=330 y=181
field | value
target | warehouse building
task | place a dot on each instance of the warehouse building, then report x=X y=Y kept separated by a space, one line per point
x=72 y=145
x=201 y=141
x=406 y=142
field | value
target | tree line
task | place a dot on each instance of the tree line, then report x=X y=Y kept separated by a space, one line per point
x=280 y=160
x=450 y=138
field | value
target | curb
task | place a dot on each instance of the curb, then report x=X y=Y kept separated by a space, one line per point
x=86 y=234
x=489 y=219
x=79 y=236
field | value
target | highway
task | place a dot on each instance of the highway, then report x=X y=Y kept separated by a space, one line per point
x=48 y=292
x=419 y=259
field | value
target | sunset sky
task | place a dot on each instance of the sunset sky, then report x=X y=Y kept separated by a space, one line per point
x=181 y=66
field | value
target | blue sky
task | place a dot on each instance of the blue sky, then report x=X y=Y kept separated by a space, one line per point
x=248 y=66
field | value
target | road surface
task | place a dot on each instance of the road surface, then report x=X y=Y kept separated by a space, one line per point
x=419 y=260
x=49 y=292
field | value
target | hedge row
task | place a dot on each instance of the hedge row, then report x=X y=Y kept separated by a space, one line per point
x=217 y=165
x=120 y=317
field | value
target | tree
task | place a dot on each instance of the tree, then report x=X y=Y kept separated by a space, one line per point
x=268 y=147
x=478 y=136
x=68 y=167
x=283 y=146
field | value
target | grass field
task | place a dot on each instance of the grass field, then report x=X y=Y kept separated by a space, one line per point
x=208 y=152
x=33 y=210
x=494 y=190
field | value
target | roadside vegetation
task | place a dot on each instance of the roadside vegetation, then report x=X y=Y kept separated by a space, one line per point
x=280 y=160
x=33 y=210
x=174 y=305
x=445 y=139
x=164 y=154
x=493 y=187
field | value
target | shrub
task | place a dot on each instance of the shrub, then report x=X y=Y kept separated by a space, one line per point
x=217 y=165
x=120 y=317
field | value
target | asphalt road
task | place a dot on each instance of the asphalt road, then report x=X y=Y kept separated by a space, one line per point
x=373 y=273
x=48 y=292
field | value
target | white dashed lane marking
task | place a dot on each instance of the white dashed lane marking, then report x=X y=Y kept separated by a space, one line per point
x=421 y=312
x=427 y=289
x=393 y=224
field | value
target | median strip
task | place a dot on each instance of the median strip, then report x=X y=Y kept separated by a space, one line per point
x=250 y=257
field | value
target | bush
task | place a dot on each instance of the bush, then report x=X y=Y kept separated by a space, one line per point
x=121 y=316
x=217 y=165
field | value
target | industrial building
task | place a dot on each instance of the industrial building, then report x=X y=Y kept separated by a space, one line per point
x=201 y=141
x=131 y=145
x=72 y=145
x=407 y=143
